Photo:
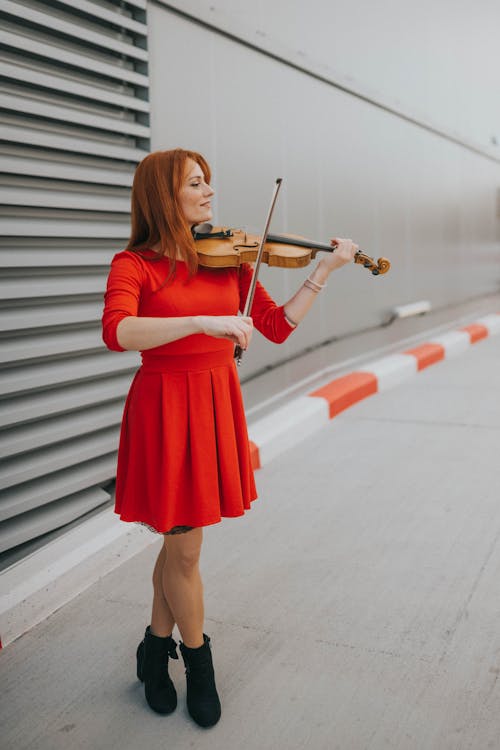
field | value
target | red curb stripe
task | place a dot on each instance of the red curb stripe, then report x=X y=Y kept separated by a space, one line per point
x=476 y=332
x=427 y=354
x=347 y=390
x=254 y=455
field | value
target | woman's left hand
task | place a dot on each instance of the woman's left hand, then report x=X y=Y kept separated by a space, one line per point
x=345 y=250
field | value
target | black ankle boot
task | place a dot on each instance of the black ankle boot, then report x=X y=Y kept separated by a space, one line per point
x=202 y=700
x=152 y=670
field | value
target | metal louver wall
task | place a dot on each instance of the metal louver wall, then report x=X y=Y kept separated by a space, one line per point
x=74 y=123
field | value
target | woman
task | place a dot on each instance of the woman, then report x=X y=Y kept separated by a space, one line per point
x=183 y=460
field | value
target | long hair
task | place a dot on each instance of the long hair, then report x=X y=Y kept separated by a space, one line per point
x=156 y=214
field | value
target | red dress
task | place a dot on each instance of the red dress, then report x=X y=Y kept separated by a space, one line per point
x=184 y=457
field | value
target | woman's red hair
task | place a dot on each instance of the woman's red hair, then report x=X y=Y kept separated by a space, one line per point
x=156 y=214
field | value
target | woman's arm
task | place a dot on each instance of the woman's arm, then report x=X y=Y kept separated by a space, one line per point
x=139 y=334
x=276 y=322
x=123 y=329
x=299 y=305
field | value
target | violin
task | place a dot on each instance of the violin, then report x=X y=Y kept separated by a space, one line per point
x=219 y=247
x=231 y=247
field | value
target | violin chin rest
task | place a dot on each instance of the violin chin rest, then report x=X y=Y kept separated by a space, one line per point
x=205 y=228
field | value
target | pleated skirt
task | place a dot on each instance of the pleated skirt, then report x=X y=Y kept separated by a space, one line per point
x=184 y=457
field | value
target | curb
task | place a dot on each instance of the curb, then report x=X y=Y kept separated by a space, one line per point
x=290 y=424
x=49 y=578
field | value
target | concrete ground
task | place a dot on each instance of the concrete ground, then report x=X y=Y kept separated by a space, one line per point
x=355 y=607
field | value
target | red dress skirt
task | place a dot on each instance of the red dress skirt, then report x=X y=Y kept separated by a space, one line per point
x=184 y=457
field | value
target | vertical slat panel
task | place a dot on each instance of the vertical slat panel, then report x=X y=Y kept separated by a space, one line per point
x=75 y=123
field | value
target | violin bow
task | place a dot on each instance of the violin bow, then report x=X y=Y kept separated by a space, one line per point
x=238 y=352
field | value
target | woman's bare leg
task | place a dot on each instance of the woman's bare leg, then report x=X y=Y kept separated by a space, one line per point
x=182 y=585
x=162 y=619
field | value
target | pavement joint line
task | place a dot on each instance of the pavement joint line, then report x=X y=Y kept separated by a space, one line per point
x=52 y=576
x=288 y=425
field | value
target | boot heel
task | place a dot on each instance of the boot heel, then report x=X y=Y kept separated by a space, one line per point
x=140 y=661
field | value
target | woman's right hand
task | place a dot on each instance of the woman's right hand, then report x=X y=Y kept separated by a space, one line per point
x=236 y=328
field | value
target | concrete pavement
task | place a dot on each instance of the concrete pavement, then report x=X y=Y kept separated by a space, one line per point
x=354 y=607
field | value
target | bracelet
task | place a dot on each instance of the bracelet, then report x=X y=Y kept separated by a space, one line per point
x=319 y=286
x=308 y=285
x=289 y=321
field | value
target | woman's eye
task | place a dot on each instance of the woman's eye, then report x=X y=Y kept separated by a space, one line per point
x=195 y=184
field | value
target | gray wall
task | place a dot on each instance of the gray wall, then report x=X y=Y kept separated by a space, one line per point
x=436 y=61
x=410 y=174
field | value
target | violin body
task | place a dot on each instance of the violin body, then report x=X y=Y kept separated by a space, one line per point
x=240 y=247
x=225 y=248
x=218 y=247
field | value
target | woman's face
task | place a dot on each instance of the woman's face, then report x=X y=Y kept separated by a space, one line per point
x=195 y=195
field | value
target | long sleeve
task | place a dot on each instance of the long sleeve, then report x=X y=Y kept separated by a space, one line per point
x=268 y=317
x=122 y=296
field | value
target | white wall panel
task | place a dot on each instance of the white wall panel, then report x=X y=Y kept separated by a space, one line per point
x=82 y=27
x=23 y=528
x=434 y=62
x=47 y=488
x=73 y=125
x=76 y=114
x=37 y=405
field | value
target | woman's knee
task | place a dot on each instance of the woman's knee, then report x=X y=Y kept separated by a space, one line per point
x=183 y=551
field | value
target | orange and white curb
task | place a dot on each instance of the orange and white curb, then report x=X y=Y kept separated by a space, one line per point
x=288 y=425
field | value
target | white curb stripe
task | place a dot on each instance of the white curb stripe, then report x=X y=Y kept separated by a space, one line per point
x=454 y=342
x=287 y=426
x=391 y=370
x=492 y=323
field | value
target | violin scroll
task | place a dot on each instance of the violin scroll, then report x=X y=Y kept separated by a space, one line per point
x=381 y=266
